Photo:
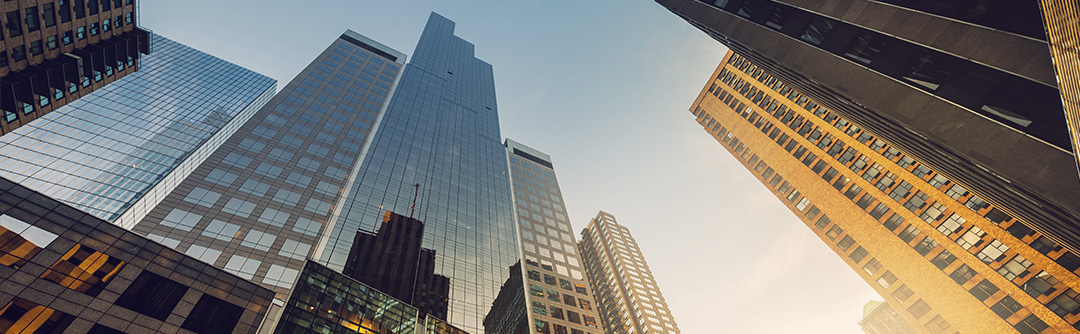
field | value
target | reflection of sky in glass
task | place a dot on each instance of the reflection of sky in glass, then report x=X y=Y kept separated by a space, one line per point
x=102 y=152
x=441 y=130
x=35 y=235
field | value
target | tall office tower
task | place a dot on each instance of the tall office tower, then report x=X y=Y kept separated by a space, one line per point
x=55 y=52
x=116 y=153
x=941 y=256
x=626 y=292
x=556 y=289
x=880 y=318
x=441 y=131
x=393 y=262
x=967 y=87
x=256 y=206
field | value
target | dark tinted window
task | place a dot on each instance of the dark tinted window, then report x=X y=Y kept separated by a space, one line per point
x=212 y=315
x=152 y=295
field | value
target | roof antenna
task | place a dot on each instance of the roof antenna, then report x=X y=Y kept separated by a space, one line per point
x=415 y=193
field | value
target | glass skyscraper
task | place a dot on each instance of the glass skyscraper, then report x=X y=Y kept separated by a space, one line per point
x=257 y=205
x=440 y=131
x=115 y=153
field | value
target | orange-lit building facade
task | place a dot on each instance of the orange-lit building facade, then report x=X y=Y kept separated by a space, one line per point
x=946 y=260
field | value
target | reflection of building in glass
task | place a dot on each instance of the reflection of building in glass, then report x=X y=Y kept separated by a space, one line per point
x=440 y=130
x=393 y=262
x=880 y=318
x=508 y=313
x=325 y=301
x=627 y=294
x=556 y=290
x=941 y=256
x=116 y=153
x=966 y=87
x=257 y=205
x=65 y=271
x=56 y=52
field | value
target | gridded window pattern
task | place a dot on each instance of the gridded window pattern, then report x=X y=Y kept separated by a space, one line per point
x=148 y=127
x=270 y=190
x=318 y=306
x=84 y=269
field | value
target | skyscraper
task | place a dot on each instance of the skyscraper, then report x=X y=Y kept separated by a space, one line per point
x=441 y=130
x=557 y=293
x=944 y=258
x=54 y=52
x=257 y=205
x=626 y=292
x=117 y=152
x=967 y=87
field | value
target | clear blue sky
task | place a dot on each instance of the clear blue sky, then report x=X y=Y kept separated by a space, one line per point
x=602 y=86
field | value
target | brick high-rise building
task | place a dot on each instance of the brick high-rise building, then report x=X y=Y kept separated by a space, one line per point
x=944 y=258
x=626 y=292
x=973 y=89
x=54 y=52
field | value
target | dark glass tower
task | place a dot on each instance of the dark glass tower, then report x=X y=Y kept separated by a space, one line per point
x=441 y=131
x=967 y=87
x=257 y=205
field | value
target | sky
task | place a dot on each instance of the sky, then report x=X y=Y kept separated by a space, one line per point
x=604 y=87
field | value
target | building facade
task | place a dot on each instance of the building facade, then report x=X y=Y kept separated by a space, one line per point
x=880 y=318
x=557 y=292
x=66 y=271
x=968 y=88
x=943 y=257
x=55 y=52
x=258 y=204
x=626 y=292
x=441 y=131
x=117 y=153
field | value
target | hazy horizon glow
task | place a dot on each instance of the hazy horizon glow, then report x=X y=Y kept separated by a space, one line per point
x=603 y=87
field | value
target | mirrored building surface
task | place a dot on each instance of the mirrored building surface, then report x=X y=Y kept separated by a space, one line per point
x=440 y=131
x=258 y=205
x=117 y=152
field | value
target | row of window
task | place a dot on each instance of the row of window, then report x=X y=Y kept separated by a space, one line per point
x=33 y=21
x=859 y=164
x=19 y=52
x=907 y=234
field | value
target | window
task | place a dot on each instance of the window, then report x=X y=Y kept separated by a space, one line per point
x=916 y=202
x=1067 y=303
x=993 y=252
x=1031 y=325
x=84 y=269
x=31 y=19
x=221 y=230
x=221 y=177
x=258 y=240
x=542 y=327
x=902 y=293
x=973 y=238
x=19 y=315
x=956 y=192
x=865 y=201
x=845 y=243
x=879 y=211
x=152 y=295
x=943 y=259
x=984 y=290
x=872 y=267
x=539 y=308
x=242 y=266
x=35 y=48
x=933 y=213
x=1005 y=307
x=93 y=29
x=886 y=280
x=802 y=203
x=48 y=14
x=1017 y=267
x=238 y=207
x=212 y=315
x=181 y=220
x=952 y=225
x=822 y=222
x=834 y=232
x=859 y=254
x=19 y=241
x=1040 y=285
x=963 y=274
x=909 y=233
x=893 y=222
x=1044 y=245
x=926 y=246
x=813 y=212
x=919 y=308
x=938 y=325
x=901 y=192
x=80 y=33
